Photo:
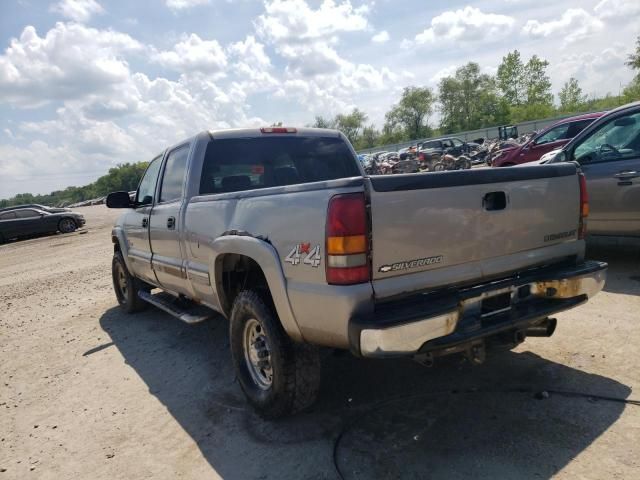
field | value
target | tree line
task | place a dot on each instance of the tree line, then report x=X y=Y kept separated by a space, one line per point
x=469 y=100
x=123 y=177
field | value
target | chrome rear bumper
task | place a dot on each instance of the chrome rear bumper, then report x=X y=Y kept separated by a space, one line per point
x=435 y=322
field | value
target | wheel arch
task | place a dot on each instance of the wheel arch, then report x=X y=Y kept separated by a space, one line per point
x=256 y=263
x=120 y=245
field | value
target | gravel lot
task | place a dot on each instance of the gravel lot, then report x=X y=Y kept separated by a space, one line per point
x=89 y=392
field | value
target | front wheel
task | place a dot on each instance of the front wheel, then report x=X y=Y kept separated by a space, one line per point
x=279 y=377
x=126 y=286
x=67 y=225
x=439 y=167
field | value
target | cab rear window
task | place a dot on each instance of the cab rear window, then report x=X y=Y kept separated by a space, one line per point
x=237 y=164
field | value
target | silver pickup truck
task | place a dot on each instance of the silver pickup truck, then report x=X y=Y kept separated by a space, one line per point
x=281 y=231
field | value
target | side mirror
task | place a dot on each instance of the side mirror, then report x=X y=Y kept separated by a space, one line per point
x=119 y=200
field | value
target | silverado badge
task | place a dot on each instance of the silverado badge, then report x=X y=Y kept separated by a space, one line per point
x=419 y=262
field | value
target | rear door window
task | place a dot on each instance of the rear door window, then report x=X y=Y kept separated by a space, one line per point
x=27 y=214
x=8 y=216
x=576 y=127
x=236 y=164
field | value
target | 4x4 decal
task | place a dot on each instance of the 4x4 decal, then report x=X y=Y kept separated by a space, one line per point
x=311 y=255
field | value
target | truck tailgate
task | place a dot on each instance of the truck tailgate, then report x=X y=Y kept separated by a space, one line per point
x=470 y=225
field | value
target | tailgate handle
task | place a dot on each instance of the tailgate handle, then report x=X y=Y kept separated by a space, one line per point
x=495 y=201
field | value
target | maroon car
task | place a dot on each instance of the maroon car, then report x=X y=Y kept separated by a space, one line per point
x=551 y=138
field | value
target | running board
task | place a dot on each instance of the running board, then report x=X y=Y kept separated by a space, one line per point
x=183 y=310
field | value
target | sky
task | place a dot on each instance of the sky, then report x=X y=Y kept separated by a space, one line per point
x=88 y=84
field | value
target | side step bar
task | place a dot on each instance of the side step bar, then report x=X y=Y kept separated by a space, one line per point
x=181 y=309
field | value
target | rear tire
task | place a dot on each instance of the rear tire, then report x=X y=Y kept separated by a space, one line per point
x=67 y=225
x=126 y=286
x=279 y=377
x=439 y=167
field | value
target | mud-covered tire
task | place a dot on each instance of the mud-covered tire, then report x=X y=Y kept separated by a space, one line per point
x=67 y=225
x=127 y=297
x=294 y=367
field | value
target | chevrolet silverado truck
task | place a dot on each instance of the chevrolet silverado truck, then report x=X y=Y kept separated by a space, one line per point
x=281 y=231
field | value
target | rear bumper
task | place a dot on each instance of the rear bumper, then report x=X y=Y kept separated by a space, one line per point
x=426 y=322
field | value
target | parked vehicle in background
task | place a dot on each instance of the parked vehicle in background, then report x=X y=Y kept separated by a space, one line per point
x=406 y=164
x=449 y=162
x=431 y=151
x=279 y=230
x=608 y=152
x=44 y=208
x=549 y=139
x=26 y=222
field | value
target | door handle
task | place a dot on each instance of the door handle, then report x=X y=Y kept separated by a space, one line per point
x=627 y=174
x=145 y=222
x=171 y=223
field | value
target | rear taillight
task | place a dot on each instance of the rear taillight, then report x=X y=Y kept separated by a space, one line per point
x=584 y=206
x=347 y=240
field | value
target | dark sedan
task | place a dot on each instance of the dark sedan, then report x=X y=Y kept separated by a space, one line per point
x=26 y=222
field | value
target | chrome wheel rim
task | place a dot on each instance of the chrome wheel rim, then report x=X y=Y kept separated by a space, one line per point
x=257 y=354
x=121 y=282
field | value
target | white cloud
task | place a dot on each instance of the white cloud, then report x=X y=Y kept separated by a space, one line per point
x=316 y=74
x=618 y=10
x=468 y=24
x=78 y=10
x=575 y=24
x=70 y=61
x=193 y=54
x=295 y=21
x=593 y=69
x=381 y=37
x=176 y=5
x=252 y=65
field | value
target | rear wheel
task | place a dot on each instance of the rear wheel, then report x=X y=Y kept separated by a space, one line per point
x=126 y=286
x=279 y=377
x=439 y=167
x=67 y=225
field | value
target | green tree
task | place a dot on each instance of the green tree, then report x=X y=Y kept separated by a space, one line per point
x=321 y=122
x=571 y=97
x=351 y=124
x=470 y=100
x=537 y=82
x=412 y=112
x=510 y=78
x=633 y=60
x=369 y=138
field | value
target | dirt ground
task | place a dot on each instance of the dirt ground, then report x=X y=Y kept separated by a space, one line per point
x=89 y=392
